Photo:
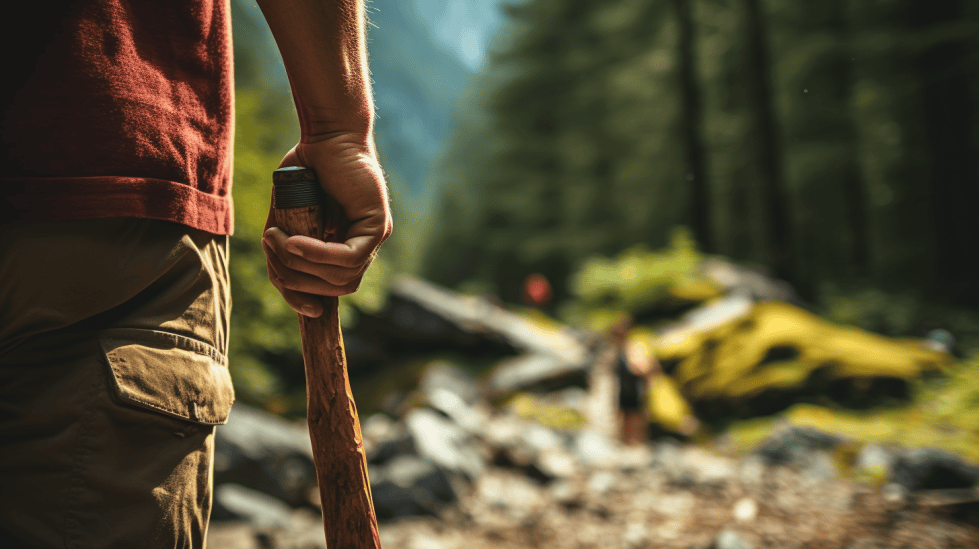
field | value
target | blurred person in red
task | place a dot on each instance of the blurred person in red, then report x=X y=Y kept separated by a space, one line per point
x=117 y=125
x=536 y=290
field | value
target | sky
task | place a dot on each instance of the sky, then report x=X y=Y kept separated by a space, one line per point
x=463 y=27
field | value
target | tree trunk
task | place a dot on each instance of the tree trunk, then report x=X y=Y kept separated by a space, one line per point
x=692 y=116
x=768 y=160
x=944 y=72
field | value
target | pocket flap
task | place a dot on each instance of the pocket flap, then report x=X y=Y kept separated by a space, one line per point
x=173 y=374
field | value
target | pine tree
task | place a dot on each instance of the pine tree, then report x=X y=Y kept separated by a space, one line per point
x=571 y=151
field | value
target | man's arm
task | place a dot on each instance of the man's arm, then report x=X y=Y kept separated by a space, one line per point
x=323 y=47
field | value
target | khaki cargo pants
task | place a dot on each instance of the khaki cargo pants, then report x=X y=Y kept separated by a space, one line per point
x=113 y=336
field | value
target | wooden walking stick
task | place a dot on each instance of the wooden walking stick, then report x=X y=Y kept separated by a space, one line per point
x=302 y=208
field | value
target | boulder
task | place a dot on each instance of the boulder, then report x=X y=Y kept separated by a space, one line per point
x=265 y=453
x=440 y=440
x=455 y=393
x=737 y=279
x=795 y=445
x=234 y=502
x=933 y=469
x=410 y=486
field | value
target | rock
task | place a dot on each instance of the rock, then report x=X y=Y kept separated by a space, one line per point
x=687 y=466
x=385 y=439
x=575 y=398
x=557 y=463
x=674 y=505
x=541 y=438
x=794 y=445
x=533 y=369
x=378 y=427
x=454 y=393
x=231 y=535
x=601 y=483
x=941 y=340
x=594 y=449
x=729 y=539
x=565 y=493
x=745 y=510
x=413 y=473
x=392 y=502
x=504 y=430
x=264 y=453
x=235 y=502
x=442 y=376
x=750 y=282
x=443 y=442
x=423 y=317
x=422 y=312
x=819 y=467
x=668 y=454
x=933 y=468
x=410 y=486
x=752 y=470
x=512 y=493
x=470 y=418
x=635 y=534
x=894 y=492
x=423 y=541
x=866 y=543
x=876 y=457
x=707 y=317
x=707 y=469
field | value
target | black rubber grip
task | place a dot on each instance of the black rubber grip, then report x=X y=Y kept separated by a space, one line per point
x=295 y=187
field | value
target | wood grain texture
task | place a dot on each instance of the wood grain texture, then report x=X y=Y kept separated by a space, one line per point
x=334 y=426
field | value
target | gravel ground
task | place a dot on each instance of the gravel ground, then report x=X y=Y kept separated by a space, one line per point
x=693 y=500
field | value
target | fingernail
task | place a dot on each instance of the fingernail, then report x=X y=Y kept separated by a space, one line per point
x=294 y=250
x=309 y=310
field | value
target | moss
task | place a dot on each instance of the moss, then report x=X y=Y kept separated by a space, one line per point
x=737 y=360
x=540 y=410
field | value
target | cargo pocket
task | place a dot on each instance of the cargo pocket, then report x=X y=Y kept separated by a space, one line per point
x=168 y=373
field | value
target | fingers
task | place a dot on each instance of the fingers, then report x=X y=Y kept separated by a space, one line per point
x=303 y=304
x=292 y=279
x=352 y=255
x=301 y=281
x=307 y=257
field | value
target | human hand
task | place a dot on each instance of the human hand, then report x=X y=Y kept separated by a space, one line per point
x=303 y=268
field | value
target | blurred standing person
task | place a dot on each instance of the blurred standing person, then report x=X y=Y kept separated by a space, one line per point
x=117 y=123
x=632 y=366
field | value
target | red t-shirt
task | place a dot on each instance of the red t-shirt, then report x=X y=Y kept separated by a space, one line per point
x=116 y=108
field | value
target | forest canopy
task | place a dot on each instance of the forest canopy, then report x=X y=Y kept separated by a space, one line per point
x=825 y=141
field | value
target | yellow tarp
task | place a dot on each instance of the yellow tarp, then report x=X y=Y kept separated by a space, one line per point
x=730 y=360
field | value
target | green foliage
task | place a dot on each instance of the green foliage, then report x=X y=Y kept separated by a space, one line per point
x=565 y=150
x=897 y=312
x=944 y=413
x=637 y=276
x=569 y=146
x=262 y=324
x=637 y=279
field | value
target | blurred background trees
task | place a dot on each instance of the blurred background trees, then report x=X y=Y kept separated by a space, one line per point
x=827 y=142
x=831 y=143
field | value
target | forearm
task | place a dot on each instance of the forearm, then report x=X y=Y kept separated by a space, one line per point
x=323 y=46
